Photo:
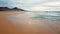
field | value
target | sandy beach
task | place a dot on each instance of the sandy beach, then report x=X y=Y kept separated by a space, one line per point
x=6 y=26
x=20 y=23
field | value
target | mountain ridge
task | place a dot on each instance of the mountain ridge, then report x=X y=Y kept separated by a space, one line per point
x=8 y=9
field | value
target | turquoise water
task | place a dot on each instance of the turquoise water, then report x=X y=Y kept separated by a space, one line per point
x=53 y=15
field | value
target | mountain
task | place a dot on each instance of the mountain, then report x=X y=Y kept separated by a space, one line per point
x=8 y=9
x=17 y=9
x=4 y=8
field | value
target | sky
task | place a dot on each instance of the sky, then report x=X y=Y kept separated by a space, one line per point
x=32 y=5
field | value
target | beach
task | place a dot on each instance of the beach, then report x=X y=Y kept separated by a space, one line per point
x=19 y=22
x=6 y=26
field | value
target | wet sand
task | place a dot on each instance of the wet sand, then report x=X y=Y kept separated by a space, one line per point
x=22 y=24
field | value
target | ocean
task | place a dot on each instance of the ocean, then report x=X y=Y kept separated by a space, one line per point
x=49 y=15
x=45 y=15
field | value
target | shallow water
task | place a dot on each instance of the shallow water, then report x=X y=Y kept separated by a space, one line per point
x=38 y=15
x=48 y=15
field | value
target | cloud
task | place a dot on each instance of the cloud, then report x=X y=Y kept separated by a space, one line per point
x=35 y=5
x=20 y=3
x=50 y=6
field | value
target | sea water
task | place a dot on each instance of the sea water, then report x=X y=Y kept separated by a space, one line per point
x=49 y=15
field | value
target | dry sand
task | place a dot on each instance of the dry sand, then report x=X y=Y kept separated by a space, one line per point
x=6 y=26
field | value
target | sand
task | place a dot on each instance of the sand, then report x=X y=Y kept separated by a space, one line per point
x=26 y=25
x=6 y=26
